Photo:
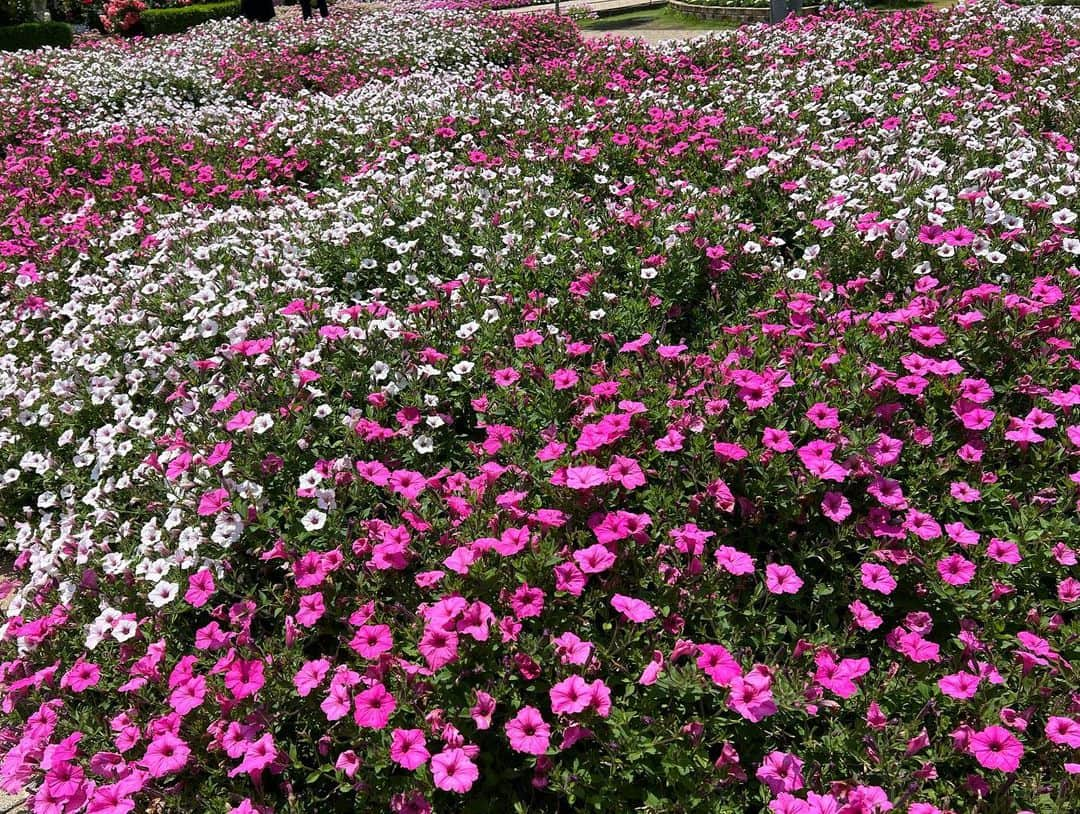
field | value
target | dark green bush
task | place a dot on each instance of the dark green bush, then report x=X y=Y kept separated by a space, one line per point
x=34 y=35
x=175 y=20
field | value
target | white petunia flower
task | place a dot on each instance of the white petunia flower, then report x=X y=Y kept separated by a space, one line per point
x=313 y=520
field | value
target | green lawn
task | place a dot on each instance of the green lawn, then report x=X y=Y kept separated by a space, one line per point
x=661 y=18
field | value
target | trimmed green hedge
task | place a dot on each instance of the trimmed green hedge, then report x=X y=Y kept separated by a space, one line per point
x=34 y=35
x=174 y=20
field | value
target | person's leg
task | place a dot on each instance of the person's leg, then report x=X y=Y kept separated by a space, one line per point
x=305 y=7
x=323 y=10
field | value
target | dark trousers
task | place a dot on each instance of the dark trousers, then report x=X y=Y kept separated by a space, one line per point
x=260 y=10
x=305 y=7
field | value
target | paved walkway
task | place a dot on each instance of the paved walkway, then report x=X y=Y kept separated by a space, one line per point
x=599 y=6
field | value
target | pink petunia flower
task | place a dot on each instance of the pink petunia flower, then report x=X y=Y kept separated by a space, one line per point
x=996 y=748
x=1063 y=731
x=956 y=570
x=200 y=588
x=505 y=377
x=311 y=609
x=864 y=617
x=595 y=559
x=82 y=676
x=733 y=561
x=1003 y=551
x=407 y=483
x=961 y=685
x=371 y=641
x=670 y=441
x=585 y=477
x=438 y=647
x=964 y=492
x=373 y=707
x=527 y=601
x=188 y=696
x=751 y=696
x=528 y=339
x=652 y=669
x=923 y=808
x=241 y=421
x=777 y=440
x=823 y=416
x=571 y=649
x=962 y=535
x=213 y=502
x=785 y=803
x=483 y=710
x=310 y=676
x=877 y=578
x=717 y=663
x=244 y=678
x=1068 y=590
x=917 y=648
x=408 y=748
x=727 y=451
x=453 y=771
x=338 y=702
x=781 y=771
x=875 y=718
x=257 y=757
x=626 y=472
x=166 y=754
x=564 y=378
x=527 y=732
x=348 y=762
x=569 y=578
x=570 y=696
x=817 y=458
x=782 y=579
x=840 y=677
x=220 y=453
x=922 y=525
x=633 y=610
x=835 y=507
x=600 y=698
x=110 y=799
x=971 y=415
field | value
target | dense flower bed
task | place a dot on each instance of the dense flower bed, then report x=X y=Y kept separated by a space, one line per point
x=431 y=411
